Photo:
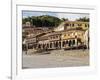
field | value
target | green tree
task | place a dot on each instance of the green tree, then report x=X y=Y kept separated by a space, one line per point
x=85 y=19
x=64 y=19
x=43 y=21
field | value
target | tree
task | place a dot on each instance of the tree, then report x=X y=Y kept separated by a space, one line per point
x=64 y=19
x=43 y=21
x=85 y=19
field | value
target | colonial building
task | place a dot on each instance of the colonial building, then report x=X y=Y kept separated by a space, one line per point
x=75 y=37
x=29 y=42
x=49 y=41
x=66 y=35
x=61 y=39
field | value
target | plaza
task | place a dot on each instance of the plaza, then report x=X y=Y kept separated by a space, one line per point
x=56 y=58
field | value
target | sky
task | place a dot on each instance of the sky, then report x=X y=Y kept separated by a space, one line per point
x=70 y=16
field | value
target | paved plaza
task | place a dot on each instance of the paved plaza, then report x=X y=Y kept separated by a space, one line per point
x=56 y=58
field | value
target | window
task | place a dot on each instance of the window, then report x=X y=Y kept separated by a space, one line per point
x=64 y=35
x=50 y=37
x=53 y=37
x=66 y=24
x=56 y=36
x=68 y=34
x=79 y=24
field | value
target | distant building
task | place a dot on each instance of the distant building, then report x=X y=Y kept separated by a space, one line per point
x=72 y=25
x=28 y=24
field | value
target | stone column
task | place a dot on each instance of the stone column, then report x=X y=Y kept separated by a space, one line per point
x=53 y=45
x=65 y=44
x=61 y=44
x=76 y=44
x=49 y=45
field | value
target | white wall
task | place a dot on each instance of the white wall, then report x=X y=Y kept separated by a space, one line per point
x=5 y=34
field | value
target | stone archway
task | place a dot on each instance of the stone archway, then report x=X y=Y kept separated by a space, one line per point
x=39 y=46
x=73 y=42
x=43 y=46
x=56 y=44
x=47 y=45
x=79 y=41
x=69 y=43
x=63 y=43
x=50 y=45
x=59 y=44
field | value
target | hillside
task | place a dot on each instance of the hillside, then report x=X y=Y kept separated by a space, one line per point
x=43 y=21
